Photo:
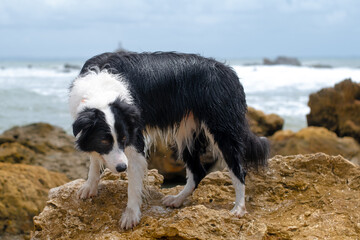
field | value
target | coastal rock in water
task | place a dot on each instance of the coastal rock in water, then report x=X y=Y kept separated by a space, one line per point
x=282 y=61
x=337 y=109
x=313 y=140
x=43 y=145
x=24 y=190
x=264 y=124
x=296 y=197
x=321 y=66
x=72 y=66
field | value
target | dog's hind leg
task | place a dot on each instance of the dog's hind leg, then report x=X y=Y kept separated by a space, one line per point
x=136 y=173
x=239 y=209
x=90 y=187
x=234 y=154
x=194 y=173
x=230 y=138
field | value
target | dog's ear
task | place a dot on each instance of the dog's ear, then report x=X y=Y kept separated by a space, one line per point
x=85 y=121
x=130 y=113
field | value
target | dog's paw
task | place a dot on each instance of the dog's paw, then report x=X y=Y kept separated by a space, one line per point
x=172 y=201
x=87 y=190
x=238 y=211
x=130 y=218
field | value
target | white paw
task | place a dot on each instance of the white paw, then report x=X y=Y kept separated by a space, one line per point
x=87 y=190
x=130 y=218
x=172 y=201
x=238 y=211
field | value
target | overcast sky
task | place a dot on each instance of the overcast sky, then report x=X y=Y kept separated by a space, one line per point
x=222 y=29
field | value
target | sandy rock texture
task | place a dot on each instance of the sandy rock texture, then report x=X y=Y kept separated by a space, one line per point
x=313 y=140
x=337 y=109
x=44 y=145
x=312 y=196
x=23 y=194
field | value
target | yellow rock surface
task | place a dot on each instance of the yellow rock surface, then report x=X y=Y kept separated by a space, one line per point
x=23 y=193
x=295 y=197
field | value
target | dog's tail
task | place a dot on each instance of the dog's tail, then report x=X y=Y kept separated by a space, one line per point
x=257 y=151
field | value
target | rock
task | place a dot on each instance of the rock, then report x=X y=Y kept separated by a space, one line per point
x=313 y=140
x=264 y=124
x=43 y=145
x=296 y=197
x=69 y=66
x=337 y=109
x=282 y=61
x=13 y=152
x=164 y=160
x=321 y=66
x=24 y=190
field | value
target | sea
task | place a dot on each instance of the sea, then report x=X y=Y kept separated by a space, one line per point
x=37 y=90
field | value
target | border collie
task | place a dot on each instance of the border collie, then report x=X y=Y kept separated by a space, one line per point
x=121 y=101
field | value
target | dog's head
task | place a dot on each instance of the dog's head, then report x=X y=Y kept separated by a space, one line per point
x=108 y=132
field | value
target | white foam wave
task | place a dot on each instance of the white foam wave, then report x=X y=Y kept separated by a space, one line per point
x=35 y=72
x=270 y=78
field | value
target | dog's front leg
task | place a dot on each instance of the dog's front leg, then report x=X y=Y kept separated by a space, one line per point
x=136 y=173
x=90 y=187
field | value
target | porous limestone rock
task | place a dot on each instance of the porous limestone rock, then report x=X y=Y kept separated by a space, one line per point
x=23 y=194
x=337 y=109
x=312 y=196
x=313 y=140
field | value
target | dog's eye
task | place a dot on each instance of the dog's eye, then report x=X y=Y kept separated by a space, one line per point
x=123 y=139
x=105 y=142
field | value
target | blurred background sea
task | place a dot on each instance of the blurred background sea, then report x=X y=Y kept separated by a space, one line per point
x=36 y=90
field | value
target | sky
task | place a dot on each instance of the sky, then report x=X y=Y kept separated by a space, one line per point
x=231 y=29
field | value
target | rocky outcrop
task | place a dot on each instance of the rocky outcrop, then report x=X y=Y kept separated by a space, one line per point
x=281 y=60
x=43 y=145
x=23 y=194
x=337 y=109
x=296 y=197
x=264 y=124
x=313 y=140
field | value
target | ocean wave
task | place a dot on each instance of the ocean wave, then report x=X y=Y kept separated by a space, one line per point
x=37 y=72
x=272 y=78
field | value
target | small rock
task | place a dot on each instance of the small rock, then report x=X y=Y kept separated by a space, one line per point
x=313 y=140
x=282 y=61
x=337 y=109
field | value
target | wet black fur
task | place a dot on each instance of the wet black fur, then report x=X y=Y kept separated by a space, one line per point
x=168 y=86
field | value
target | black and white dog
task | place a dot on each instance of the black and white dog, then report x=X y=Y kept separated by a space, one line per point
x=121 y=100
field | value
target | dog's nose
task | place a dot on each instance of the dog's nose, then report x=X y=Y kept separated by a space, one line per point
x=121 y=167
